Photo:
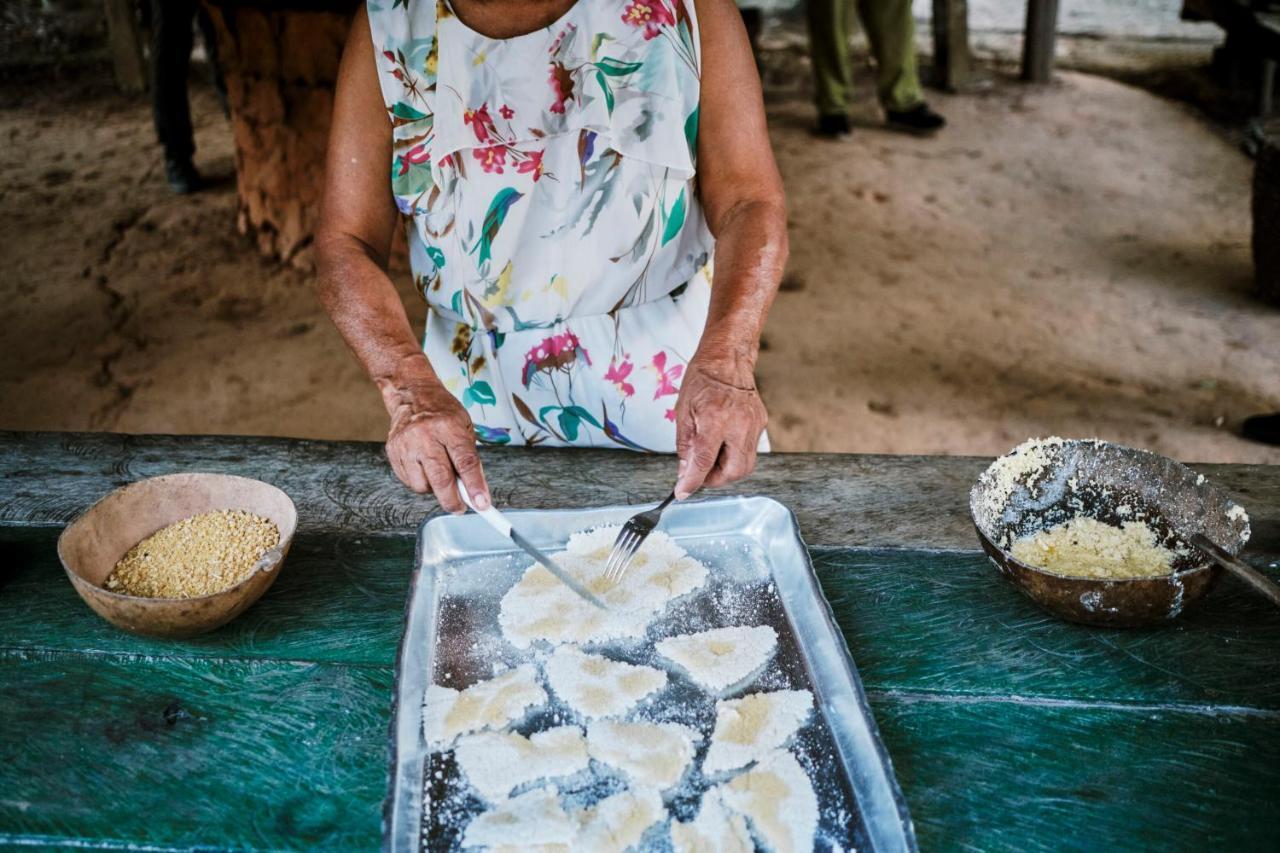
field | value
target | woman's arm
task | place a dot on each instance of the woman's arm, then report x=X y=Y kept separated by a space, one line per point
x=719 y=414
x=431 y=436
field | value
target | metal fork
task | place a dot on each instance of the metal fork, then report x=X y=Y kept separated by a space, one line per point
x=630 y=538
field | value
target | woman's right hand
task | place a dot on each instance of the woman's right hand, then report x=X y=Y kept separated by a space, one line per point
x=432 y=443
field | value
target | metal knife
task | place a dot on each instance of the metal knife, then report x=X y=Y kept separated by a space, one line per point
x=499 y=522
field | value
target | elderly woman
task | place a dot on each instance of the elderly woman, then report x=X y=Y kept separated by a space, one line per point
x=566 y=173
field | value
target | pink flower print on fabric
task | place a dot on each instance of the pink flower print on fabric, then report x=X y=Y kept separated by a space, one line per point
x=650 y=14
x=667 y=376
x=561 y=86
x=506 y=112
x=618 y=373
x=558 y=352
x=481 y=123
x=492 y=159
x=531 y=164
x=415 y=156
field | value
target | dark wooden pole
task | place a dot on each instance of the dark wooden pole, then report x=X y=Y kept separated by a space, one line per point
x=1038 y=41
x=951 y=58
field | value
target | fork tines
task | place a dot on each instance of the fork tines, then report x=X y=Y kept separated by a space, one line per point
x=624 y=549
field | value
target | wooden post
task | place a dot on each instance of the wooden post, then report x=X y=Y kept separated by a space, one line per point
x=1038 y=40
x=951 y=59
x=126 y=46
x=280 y=63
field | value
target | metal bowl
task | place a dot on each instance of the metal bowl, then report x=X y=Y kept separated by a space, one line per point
x=92 y=545
x=1043 y=483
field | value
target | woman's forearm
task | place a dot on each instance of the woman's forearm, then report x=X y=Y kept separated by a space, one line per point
x=363 y=303
x=751 y=251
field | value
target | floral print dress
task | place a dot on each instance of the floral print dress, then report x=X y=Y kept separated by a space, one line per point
x=547 y=185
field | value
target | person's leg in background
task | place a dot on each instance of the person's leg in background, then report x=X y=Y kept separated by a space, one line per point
x=209 y=34
x=891 y=32
x=171 y=36
x=832 y=74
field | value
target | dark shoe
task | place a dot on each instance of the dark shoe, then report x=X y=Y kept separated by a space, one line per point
x=1263 y=428
x=833 y=126
x=182 y=176
x=918 y=119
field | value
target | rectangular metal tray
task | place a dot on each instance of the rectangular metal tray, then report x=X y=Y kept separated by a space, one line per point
x=756 y=556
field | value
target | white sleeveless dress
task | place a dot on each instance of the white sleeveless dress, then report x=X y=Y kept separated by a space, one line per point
x=547 y=185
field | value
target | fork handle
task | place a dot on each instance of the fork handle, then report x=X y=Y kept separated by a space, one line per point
x=665 y=503
x=496 y=520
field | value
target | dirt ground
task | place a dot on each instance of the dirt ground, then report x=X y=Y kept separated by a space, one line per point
x=1069 y=260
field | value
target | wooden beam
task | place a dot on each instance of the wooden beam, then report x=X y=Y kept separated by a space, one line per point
x=952 y=63
x=1038 y=40
x=126 y=46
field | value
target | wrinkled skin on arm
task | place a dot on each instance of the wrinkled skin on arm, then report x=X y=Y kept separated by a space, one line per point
x=719 y=414
x=431 y=439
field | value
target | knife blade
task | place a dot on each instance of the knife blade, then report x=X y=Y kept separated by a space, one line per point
x=499 y=522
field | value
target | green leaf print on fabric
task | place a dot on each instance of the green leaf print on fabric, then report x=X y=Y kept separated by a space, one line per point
x=493 y=220
x=436 y=256
x=608 y=93
x=479 y=392
x=675 y=220
x=691 y=133
x=596 y=41
x=406 y=113
x=614 y=68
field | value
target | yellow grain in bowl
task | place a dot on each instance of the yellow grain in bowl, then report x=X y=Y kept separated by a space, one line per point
x=1087 y=548
x=197 y=556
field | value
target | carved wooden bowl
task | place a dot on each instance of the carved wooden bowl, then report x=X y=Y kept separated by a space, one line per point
x=1111 y=484
x=92 y=545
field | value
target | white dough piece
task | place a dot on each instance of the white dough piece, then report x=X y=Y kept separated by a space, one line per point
x=777 y=797
x=524 y=822
x=595 y=686
x=722 y=658
x=714 y=830
x=489 y=704
x=749 y=727
x=497 y=762
x=653 y=755
x=539 y=608
x=617 y=823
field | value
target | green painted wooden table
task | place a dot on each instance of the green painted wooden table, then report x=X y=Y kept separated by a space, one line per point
x=1008 y=730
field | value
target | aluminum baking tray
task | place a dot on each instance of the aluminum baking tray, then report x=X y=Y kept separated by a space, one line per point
x=760 y=574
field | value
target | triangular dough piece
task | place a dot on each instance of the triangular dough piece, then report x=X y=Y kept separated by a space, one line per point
x=490 y=704
x=714 y=830
x=539 y=608
x=495 y=763
x=654 y=755
x=617 y=823
x=523 y=822
x=595 y=686
x=777 y=797
x=749 y=727
x=722 y=658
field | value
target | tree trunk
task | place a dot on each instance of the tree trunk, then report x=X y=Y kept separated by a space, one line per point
x=280 y=62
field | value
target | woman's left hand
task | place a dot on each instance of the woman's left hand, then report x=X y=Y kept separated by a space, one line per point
x=719 y=419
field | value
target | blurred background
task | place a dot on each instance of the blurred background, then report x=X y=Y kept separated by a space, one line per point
x=1089 y=248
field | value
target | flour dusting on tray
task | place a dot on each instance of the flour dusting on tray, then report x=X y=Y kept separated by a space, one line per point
x=608 y=730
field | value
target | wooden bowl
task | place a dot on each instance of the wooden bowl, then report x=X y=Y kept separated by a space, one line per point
x=1113 y=484
x=91 y=546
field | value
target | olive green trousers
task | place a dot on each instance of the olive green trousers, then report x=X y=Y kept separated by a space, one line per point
x=891 y=32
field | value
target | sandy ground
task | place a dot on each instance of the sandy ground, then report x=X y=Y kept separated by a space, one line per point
x=1071 y=260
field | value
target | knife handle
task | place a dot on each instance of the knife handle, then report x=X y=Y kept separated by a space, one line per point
x=491 y=515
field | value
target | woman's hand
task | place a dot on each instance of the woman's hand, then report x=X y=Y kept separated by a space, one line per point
x=719 y=419
x=432 y=442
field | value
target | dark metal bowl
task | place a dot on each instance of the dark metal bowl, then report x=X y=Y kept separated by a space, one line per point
x=1112 y=484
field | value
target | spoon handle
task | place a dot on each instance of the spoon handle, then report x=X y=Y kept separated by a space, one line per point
x=1247 y=573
